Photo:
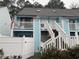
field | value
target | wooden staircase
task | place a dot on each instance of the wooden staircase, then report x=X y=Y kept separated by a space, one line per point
x=58 y=37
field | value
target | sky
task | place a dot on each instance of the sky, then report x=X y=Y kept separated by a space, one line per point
x=66 y=2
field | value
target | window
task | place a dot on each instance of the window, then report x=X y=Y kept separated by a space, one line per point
x=78 y=33
x=22 y=33
x=71 y=21
x=72 y=33
x=42 y=25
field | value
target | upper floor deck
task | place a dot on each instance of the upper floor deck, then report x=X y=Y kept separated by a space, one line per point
x=23 y=23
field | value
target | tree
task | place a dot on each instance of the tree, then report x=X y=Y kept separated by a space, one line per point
x=1 y=3
x=11 y=7
x=34 y=5
x=37 y=5
x=55 y=4
x=6 y=2
x=74 y=6
x=28 y=4
x=20 y=3
x=13 y=11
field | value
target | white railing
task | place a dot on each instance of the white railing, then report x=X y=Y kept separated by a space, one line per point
x=49 y=28
x=23 y=25
x=51 y=41
x=46 y=45
x=73 y=40
x=43 y=45
x=57 y=27
x=77 y=26
x=60 y=42
x=74 y=26
x=62 y=34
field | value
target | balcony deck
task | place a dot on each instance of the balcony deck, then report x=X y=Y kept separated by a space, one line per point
x=23 y=26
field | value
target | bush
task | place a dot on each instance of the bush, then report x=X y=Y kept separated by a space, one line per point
x=75 y=51
x=1 y=53
x=57 y=54
x=7 y=57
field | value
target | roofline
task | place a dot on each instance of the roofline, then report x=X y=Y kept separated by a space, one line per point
x=46 y=15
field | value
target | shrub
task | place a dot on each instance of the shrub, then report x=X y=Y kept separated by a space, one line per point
x=57 y=54
x=7 y=57
x=75 y=51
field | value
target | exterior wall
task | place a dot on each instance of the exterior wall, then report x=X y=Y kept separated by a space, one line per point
x=65 y=24
x=37 y=34
x=74 y=27
x=58 y=20
x=77 y=24
x=51 y=22
x=23 y=26
x=5 y=22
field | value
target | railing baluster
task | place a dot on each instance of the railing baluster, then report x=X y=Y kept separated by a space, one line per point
x=62 y=41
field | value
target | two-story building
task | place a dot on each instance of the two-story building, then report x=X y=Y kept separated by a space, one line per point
x=44 y=24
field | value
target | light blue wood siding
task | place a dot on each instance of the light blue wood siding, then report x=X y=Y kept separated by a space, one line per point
x=66 y=25
x=58 y=20
x=37 y=34
x=77 y=20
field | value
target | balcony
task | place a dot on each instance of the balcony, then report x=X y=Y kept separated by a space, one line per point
x=23 y=26
x=74 y=26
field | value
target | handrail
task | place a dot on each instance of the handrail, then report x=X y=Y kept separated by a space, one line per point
x=59 y=28
x=62 y=34
x=51 y=40
x=63 y=40
x=63 y=43
x=49 y=29
x=48 y=42
x=43 y=45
